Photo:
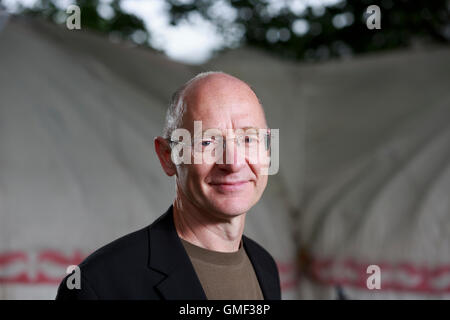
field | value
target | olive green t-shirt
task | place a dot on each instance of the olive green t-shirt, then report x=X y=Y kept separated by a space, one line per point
x=224 y=275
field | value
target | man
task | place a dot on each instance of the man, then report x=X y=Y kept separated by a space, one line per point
x=196 y=250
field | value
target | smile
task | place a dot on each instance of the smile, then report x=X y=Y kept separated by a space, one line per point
x=230 y=186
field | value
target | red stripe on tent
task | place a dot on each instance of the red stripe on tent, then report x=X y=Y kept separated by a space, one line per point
x=57 y=257
x=10 y=257
x=405 y=277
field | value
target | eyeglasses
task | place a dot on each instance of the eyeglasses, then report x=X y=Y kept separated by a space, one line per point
x=252 y=141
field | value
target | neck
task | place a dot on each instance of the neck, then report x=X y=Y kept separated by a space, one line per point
x=206 y=229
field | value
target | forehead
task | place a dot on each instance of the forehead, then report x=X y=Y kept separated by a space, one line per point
x=223 y=102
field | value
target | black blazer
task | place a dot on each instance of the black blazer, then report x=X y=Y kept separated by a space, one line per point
x=152 y=263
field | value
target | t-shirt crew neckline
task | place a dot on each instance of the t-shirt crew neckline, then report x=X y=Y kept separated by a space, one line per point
x=215 y=257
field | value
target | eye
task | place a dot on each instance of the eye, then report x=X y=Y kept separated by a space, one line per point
x=206 y=143
x=249 y=139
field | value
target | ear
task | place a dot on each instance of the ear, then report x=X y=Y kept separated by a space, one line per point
x=163 y=151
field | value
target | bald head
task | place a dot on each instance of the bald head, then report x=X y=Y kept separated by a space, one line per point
x=209 y=92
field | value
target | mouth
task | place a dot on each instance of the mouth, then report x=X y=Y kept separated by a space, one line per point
x=229 y=186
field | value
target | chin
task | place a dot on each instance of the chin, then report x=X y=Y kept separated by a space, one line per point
x=232 y=207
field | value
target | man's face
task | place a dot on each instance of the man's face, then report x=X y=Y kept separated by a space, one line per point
x=232 y=188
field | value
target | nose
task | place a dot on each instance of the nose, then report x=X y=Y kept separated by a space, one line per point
x=233 y=156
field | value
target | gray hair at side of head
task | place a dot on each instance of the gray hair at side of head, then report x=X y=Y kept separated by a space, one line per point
x=177 y=105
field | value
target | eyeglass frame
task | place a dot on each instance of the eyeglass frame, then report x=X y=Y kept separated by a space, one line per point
x=267 y=137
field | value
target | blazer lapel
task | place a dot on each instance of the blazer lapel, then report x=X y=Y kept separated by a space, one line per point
x=168 y=256
x=181 y=285
x=266 y=278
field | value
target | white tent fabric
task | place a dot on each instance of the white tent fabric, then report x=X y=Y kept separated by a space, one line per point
x=364 y=161
x=78 y=116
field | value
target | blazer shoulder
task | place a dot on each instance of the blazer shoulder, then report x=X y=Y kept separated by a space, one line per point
x=115 y=260
x=128 y=246
x=124 y=256
x=121 y=269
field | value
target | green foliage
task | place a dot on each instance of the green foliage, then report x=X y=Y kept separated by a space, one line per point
x=120 y=24
x=337 y=30
x=403 y=23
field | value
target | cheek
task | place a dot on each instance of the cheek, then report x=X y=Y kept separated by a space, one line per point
x=258 y=169
x=193 y=176
x=259 y=162
x=261 y=182
x=261 y=179
x=182 y=176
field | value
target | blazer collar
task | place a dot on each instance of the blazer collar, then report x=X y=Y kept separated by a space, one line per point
x=267 y=279
x=168 y=256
